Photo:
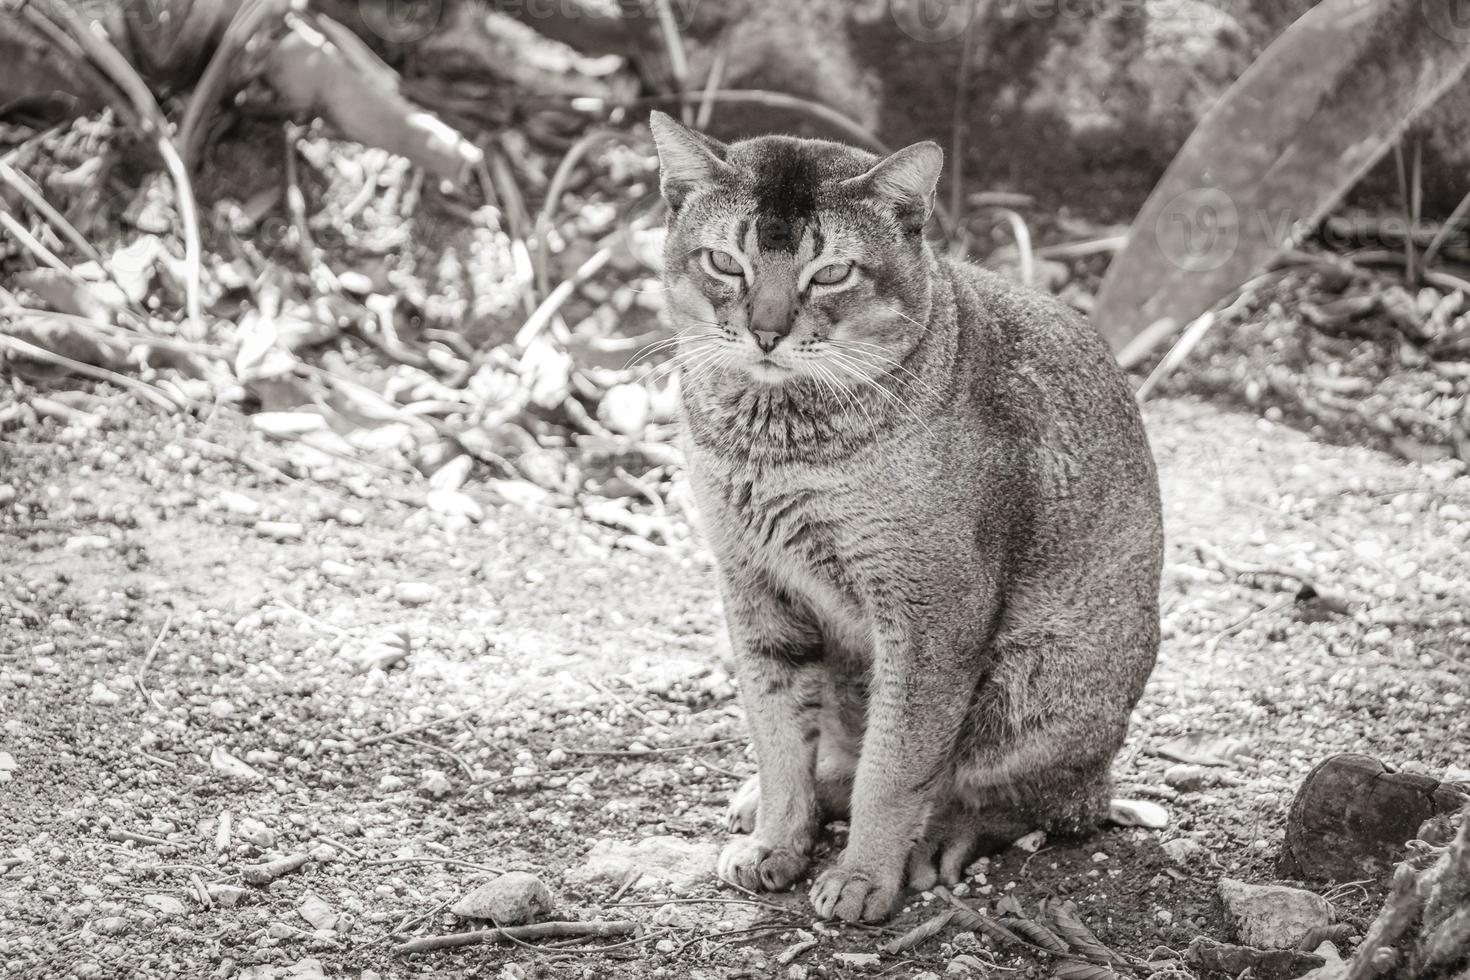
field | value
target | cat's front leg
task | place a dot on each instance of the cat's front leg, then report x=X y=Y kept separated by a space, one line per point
x=920 y=690
x=779 y=660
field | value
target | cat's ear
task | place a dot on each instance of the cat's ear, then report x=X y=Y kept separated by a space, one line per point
x=905 y=181
x=686 y=159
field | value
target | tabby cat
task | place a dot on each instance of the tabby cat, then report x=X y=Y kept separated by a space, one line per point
x=934 y=510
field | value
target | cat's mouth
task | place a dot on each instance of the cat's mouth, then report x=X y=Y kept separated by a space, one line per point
x=768 y=370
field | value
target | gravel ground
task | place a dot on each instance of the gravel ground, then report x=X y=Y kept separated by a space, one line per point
x=185 y=693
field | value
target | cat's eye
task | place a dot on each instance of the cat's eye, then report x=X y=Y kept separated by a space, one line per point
x=723 y=262
x=831 y=275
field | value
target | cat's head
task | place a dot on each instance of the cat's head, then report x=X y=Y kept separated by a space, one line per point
x=791 y=258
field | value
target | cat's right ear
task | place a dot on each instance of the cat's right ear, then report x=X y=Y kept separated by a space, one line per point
x=686 y=159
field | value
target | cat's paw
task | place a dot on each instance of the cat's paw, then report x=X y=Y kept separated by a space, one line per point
x=941 y=856
x=751 y=864
x=854 y=894
x=744 y=806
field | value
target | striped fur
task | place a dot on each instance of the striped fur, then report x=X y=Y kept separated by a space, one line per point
x=934 y=510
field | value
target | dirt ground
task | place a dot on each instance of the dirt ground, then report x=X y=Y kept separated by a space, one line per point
x=168 y=665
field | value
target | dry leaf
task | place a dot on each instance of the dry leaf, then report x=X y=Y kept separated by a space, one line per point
x=1202 y=749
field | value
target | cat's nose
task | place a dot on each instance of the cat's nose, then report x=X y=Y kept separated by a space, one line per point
x=767 y=339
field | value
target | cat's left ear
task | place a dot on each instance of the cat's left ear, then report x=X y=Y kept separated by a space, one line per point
x=905 y=181
x=686 y=159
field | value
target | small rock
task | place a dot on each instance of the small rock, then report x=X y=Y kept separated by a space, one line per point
x=357 y=283
x=350 y=516
x=413 y=593
x=226 y=763
x=226 y=896
x=237 y=503
x=455 y=503
x=87 y=542
x=7 y=495
x=256 y=832
x=1032 y=842
x=7 y=762
x=390 y=783
x=112 y=925
x=624 y=409
x=103 y=695
x=166 y=904
x=864 y=960
x=1272 y=916
x=1138 y=813
x=317 y=912
x=436 y=784
x=337 y=569
x=280 y=530
x=307 y=969
x=516 y=898
x=1186 y=850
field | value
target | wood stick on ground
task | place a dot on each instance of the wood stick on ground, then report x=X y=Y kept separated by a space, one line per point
x=148 y=661
x=421 y=727
x=540 y=930
x=151 y=393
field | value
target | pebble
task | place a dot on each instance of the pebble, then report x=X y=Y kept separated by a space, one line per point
x=103 y=695
x=436 y=784
x=7 y=494
x=112 y=925
x=357 y=283
x=88 y=542
x=238 y=503
x=280 y=530
x=390 y=783
x=414 y=593
x=350 y=516
x=226 y=896
x=1272 y=916
x=166 y=904
x=7 y=762
x=256 y=832
x=337 y=569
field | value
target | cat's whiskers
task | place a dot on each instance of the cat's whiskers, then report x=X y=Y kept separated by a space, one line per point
x=844 y=360
x=854 y=398
x=887 y=361
x=688 y=352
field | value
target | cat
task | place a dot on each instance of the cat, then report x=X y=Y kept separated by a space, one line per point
x=934 y=512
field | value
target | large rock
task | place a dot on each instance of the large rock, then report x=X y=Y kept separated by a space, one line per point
x=1353 y=815
x=670 y=861
x=516 y=898
x=1272 y=916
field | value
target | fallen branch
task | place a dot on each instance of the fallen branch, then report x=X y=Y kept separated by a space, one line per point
x=539 y=930
x=155 y=395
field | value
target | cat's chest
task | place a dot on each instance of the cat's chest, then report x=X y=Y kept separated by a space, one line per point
x=813 y=532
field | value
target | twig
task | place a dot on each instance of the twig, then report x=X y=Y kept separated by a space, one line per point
x=27 y=189
x=1177 y=354
x=706 y=112
x=137 y=838
x=539 y=930
x=674 y=45
x=148 y=661
x=468 y=769
x=117 y=68
x=635 y=753
x=1445 y=230
x=421 y=727
x=1022 y=235
x=153 y=394
x=43 y=254
x=452 y=862
x=548 y=307
x=262 y=874
x=1214 y=642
